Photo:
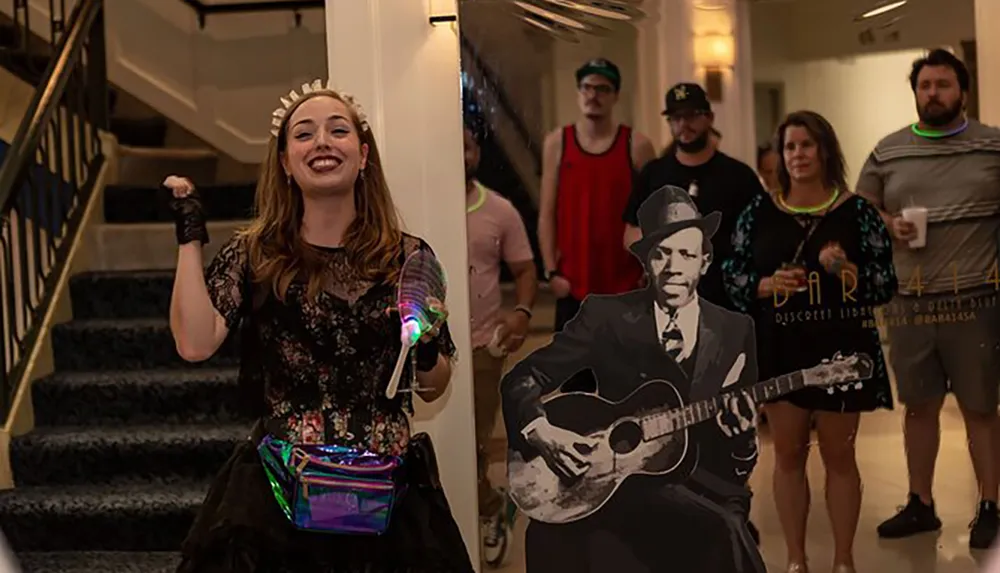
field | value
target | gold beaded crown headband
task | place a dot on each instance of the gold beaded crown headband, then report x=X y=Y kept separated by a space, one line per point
x=278 y=115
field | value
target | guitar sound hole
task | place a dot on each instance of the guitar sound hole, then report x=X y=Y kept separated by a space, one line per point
x=625 y=437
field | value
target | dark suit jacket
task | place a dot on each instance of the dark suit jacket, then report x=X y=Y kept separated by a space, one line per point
x=616 y=337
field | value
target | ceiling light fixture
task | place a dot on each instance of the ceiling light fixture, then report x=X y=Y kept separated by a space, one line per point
x=551 y=16
x=710 y=7
x=600 y=8
x=559 y=32
x=882 y=8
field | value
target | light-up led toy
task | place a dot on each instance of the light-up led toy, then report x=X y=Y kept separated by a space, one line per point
x=410 y=335
x=421 y=282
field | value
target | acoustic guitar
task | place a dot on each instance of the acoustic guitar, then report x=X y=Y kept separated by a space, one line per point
x=644 y=434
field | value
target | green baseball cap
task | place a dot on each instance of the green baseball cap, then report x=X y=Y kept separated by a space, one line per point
x=601 y=67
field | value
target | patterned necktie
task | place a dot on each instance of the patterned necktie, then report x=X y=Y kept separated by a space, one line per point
x=672 y=340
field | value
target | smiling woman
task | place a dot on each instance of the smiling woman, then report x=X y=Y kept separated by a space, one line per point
x=318 y=168
x=311 y=285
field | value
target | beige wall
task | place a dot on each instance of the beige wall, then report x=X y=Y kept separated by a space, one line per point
x=227 y=169
x=809 y=30
x=219 y=83
x=15 y=96
x=812 y=50
x=988 y=48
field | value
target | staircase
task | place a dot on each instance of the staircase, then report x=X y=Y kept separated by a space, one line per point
x=127 y=434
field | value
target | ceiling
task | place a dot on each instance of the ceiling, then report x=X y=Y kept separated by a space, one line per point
x=568 y=20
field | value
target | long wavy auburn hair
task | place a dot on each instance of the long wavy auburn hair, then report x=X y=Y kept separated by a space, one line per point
x=278 y=253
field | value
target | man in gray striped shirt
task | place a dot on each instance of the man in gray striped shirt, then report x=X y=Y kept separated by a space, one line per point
x=944 y=327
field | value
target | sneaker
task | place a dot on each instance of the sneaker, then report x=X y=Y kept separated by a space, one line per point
x=497 y=531
x=983 y=529
x=913 y=518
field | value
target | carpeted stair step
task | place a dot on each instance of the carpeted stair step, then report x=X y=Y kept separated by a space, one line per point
x=9 y=39
x=100 y=562
x=139 y=132
x=142 y=167
x=110 y=294
x=144 y=246
x=197 y=395
x=78 y=455
x=151 y=204
x=144 y=517
x=126 y=344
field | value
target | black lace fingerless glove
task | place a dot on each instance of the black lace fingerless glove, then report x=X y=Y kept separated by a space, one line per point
x=189 y=218
x=427 y=355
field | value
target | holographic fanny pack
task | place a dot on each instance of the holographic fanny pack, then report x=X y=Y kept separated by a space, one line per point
x=333 y=489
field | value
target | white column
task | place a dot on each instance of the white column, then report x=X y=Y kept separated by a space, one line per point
x=988 y=60
x=406 y=73
x=666 y=55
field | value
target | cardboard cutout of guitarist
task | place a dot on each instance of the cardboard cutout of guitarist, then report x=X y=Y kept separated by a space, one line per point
x=649 y=474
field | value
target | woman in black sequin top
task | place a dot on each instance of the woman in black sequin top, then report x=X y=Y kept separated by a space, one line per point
x=310 y=286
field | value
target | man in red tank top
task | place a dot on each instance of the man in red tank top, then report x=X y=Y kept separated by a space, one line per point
x=587 y=170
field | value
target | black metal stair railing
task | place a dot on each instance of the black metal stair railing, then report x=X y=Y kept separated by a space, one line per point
x=47 y=174
x=23 y=51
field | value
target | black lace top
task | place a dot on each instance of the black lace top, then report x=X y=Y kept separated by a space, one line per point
x=321 y=368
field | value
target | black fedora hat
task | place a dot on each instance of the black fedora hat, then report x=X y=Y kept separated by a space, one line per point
x=669 y=210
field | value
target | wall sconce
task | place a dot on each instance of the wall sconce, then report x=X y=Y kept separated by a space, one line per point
x=714 y=52
x=442 y=12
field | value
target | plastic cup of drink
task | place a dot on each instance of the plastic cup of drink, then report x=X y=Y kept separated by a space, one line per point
x=917 y=216
x=803 y=284
x=494 y=348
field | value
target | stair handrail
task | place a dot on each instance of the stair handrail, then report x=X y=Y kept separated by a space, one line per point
x=47 y=176
x=45 y=100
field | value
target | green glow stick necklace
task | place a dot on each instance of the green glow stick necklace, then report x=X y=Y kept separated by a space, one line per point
x=935 y=134
x=810 y=210
x=479 y=201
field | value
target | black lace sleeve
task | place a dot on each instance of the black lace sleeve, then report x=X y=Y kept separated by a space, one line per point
x=738 y=271
x=227 y=280
x=877 y=275
x=445 y=344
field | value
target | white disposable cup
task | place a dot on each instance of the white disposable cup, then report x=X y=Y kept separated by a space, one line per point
x=494 y=348
x=917 y=216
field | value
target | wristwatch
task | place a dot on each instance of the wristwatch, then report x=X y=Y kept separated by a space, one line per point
x=550 y=274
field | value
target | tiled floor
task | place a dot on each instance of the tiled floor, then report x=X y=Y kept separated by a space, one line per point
x=880 y=454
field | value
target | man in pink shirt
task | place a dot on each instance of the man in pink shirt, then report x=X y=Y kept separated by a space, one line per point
x=496 y=235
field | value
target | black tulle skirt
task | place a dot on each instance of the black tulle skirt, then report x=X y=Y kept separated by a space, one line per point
x=241 y=529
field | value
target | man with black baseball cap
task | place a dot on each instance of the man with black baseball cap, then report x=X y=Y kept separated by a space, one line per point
x=716 y=181
x=587 y=177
